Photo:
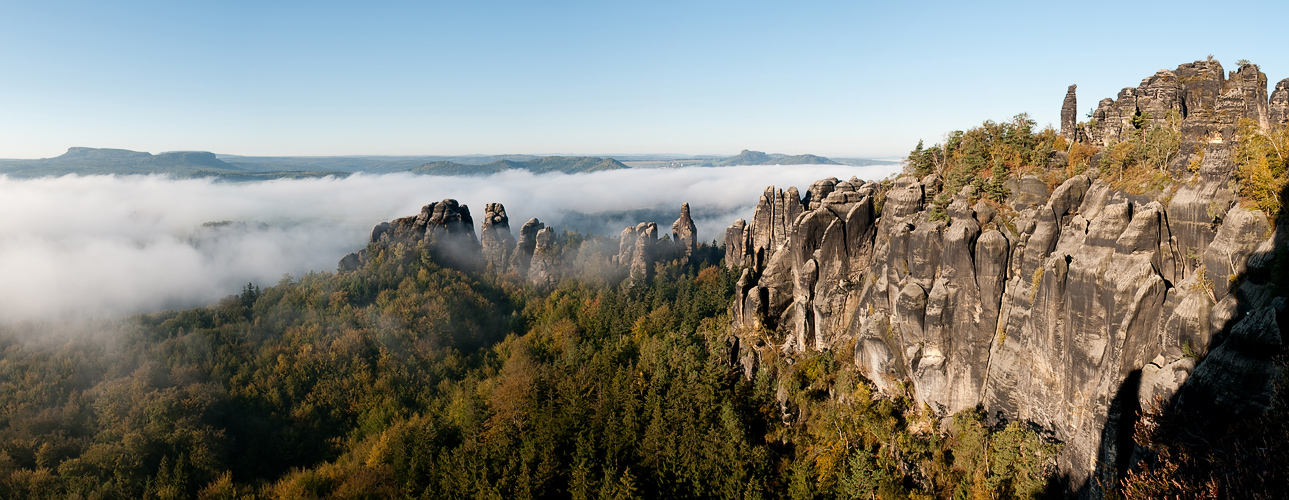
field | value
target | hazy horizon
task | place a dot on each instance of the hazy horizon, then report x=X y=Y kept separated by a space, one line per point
x=413 y=155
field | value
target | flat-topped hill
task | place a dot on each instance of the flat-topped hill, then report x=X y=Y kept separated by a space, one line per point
x=546 y=164
x=104 y=161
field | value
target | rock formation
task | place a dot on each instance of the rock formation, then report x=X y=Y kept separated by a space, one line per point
x=1278 y=107
x=684 y=233
x=495 y=238
x=543 y=271
x=446 y=225
x=1043 y=324
x=1209 y=103
x=524 y=248
x=1069 y=114
x=641 y=259
x=1082 y=299
x=540 y=255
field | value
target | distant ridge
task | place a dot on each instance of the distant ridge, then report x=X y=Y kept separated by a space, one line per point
x=103 y=161
x=546 y=164
x=201 y=164
x=747 y=157
x=372 y=164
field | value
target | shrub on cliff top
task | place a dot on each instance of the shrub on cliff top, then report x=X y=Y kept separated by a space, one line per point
x=1138 y=163
x=985 y=156
x=1260 y=165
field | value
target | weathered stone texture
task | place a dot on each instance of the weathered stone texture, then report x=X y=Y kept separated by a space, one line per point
x=1209 y=103
x=1278 y=107
x=1044 y=324
x=684 y=233
x=495 y=238
x=445 y=225
x=522 y=257
x=1070 y=114
x=642 y=254
x=543 y=269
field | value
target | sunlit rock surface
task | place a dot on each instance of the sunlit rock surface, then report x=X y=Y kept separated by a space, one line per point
x=1082 y=305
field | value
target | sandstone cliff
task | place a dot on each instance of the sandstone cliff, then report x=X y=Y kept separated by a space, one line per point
x=1072 y=312
x=1209 y=103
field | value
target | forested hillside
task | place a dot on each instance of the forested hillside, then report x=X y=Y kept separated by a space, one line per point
x=407 y=379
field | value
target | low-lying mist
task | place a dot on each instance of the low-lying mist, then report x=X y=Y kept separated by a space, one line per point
x=101 y=246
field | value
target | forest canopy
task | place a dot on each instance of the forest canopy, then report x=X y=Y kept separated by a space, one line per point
x=408 y=379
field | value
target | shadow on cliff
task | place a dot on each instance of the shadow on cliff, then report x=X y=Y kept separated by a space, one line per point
x=1225 y=432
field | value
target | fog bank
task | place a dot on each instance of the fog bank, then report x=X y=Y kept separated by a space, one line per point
x=97 y=246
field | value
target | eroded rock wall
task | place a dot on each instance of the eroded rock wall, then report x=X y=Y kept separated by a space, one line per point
x=1209 y=103
x=1042 y=318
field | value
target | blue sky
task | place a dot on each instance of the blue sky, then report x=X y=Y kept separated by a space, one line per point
x=829 y=78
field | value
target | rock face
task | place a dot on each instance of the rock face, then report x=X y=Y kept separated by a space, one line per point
x=495 y=239
x=524 y=248
x=684 y=233
x=352 y=260
x=737 y=244
x=446 y=225
x=1070 y=114
x=446 y=217
x=1278 y=107
x=639 y=247
x=1045 y=324
x=544 y=269
x=1084 y=304
x=642 y=253
x=1209 y=103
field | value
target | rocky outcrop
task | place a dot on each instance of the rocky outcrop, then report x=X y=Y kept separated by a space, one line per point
x=684 y=234
x=522 y=257
x=1069 y=114
x=1071 y=311
x=1025 y=193
x=1278 y=106
x=1198 y=207
x=1142 y=106
x=642 y=253
x=774 y=211
x=495 y=239
x=1244 y=96
x=445 y=225
x=737 y=244
x=639 y=247
x=539 y=255
x=352 y=260
x=446 y=217
x=543 y=271
x=1208 y=103
x=1044 y=322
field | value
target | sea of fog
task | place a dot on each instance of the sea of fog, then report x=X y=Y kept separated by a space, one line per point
x=101 y=246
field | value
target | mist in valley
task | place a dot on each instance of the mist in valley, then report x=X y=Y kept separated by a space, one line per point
x=103 y=246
